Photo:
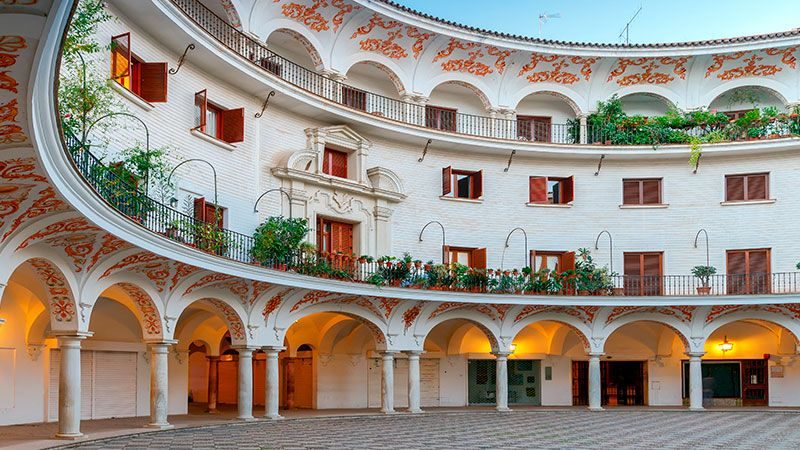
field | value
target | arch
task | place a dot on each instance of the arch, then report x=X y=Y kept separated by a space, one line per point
x=146 y=310
x=570 y=97
x=680 y=329
x=299 y=33
x=785 y=322
x=394 y=72
x=373 y=324
x=58 y=294
x=666 y=96
x=580 y=328
x=477 y=88
x=772 y=87
x=230 y=315
x=338 y=329
x=474 y=318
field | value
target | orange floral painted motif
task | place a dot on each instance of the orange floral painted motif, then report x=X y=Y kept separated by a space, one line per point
x=308 y=16
x=11 y=44
x=649 y=73
x=557 y=72
x=752 y=66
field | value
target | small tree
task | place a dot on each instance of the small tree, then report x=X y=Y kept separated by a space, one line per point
x=704 y=273
x=278 y=238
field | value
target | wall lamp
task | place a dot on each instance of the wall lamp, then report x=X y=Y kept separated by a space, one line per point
x=726 y=345
x=282 y=191
x=444 y=240
x=173 y=202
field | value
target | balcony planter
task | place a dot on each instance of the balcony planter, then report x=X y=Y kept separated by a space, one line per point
x=703 y=290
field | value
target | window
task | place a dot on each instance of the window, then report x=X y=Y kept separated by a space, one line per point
x=208 y=212
x=643 y=273
x=551 y=190
x=557 y=262
x=748 y=271
x=468 y=256
x=645 y=191
x=334 y=162
x=440 y=118
x=334 y=237
x=534 y=128
x=742 y=188
x=147 y=80
x=462 y=183
x=354 y=98
x=224 y=124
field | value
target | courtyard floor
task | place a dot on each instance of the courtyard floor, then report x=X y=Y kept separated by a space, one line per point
x=474 y=428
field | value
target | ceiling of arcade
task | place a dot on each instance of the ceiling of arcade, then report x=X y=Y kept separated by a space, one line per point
x=341 y=33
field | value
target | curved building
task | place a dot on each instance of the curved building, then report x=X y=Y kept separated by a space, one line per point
x=649 y=189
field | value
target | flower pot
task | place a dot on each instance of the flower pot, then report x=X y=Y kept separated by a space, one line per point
x=417 y=265
x=583 y=292
x=617 y=291
x=362 y=260
x=703 y=290
x=409 y=265
x=427 y=267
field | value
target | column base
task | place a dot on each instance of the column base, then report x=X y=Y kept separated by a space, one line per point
x=212 y=411
x=388 y=412
x=416 y=411
x=596 y=408
x=277 y=417
x=247 y=419
x=70 y=436
x=160 y=426
x=696 y=408
x=502 y=408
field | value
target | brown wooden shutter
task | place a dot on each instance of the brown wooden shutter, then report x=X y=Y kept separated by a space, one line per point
x=121 y=59
x=632 y=268
x=321 y=234
x=734 y=188
x=568 y=192
x=154 y=82
x=233 y=125
x=651 y=264
x=478 y=258
x=200 y=209
x=757 y=187
x=537 y=189
x=737 y=272
x=567 y=261
x=630 y=192
x=447 y=180
x=338 y=162
x=201 y=101
x=477 y=184
x=446 y=254
x=651 y=192
x=758 y=271
x=532 y=263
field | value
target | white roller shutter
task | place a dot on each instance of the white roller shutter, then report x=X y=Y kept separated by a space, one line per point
x=114 y=385
x=429 y=381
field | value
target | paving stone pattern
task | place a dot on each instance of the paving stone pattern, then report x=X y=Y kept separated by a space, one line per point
x=613 y=429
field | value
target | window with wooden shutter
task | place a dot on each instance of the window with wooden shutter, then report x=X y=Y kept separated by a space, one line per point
x=201 y=109
x=748 y=271
x=334 y=237
x=153 y=82
x=747 y=187
x=334 y=162
x=200 y=209
x=354 y=98
x=462 y=183
x=440 y=118
x=468 y=256
x=534 y=128
x=641 y=191
x=643 y=273
x=551 y=190
x=147 y=80
x=232 y=125
x=208 y=212
x=478 y=258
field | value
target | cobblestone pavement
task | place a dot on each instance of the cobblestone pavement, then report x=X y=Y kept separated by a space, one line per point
x=520 y=429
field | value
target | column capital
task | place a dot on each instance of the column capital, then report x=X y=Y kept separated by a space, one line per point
x=388 y=353
x=411 y=353
x=162 y=342
x=245 y=348
x=695 y=354
x=596 y=354
x=503 y=354
x=268 y=349
x=71 y=335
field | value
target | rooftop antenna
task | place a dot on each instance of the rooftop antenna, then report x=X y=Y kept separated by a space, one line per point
x=627 y=29
x=544 y=17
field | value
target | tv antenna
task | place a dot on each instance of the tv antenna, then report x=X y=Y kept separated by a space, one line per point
x=626 y=31
x=544 y=17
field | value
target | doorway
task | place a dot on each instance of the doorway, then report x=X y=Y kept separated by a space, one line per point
x=622 y=383
x=524 y=384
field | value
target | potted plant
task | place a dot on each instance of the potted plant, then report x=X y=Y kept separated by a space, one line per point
x=365 y=259
x=278 y=239
x=417 y=263
x=704 y=273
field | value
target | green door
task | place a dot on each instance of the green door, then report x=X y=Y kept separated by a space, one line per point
x=523 y=381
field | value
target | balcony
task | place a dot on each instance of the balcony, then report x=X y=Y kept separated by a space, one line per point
x=636 y=131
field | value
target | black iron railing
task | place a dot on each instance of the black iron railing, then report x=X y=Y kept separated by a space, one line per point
x=124 y=195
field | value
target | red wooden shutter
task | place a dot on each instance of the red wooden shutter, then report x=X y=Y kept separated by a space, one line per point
x=757 y=187
x=233 y=125
x=632 y=268
x=568 y=191
x=734 y=188
x=154 y=82
x=478 y=258
x=631 y=192
x=651 y=192
x=537 y=189
x=121 y=59
x=567 y=261
x=477 y=184
x=200 y=209
x=338 y=162
x=446 y=253
x=201 y=101
x=214 y=215
x=651 y=270
x=447 y=180
x=541 y=129
x=321 y=244
x=737 y=272
x=532 y=262
x=758 y=271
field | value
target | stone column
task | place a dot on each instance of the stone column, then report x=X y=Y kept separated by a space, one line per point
x=245 y=398
x=594 y=382
x=501 y=386
x=159 y=384
x=272 y=386
x=413 y=382
x=387 y=383
x=69 y=385
x=584 y=129
x=695 y=381
x=213 y=373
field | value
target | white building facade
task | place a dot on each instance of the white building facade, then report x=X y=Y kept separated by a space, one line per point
x=373 y=121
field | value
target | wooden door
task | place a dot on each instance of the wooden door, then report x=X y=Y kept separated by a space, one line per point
x=534 y=128
x=643 y=273
x=748 y=271
x=755 y=385
x=580 y=383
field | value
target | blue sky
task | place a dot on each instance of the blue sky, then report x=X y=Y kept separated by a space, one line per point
x=602 y=20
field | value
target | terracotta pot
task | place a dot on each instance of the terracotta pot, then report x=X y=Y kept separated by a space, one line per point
x=417 y=265
x=427 y=267
x=618 y=291
x=703 y=290
x=583 y=292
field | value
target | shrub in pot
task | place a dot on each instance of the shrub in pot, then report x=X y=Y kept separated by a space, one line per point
x=278 y=239
x=704 y=273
